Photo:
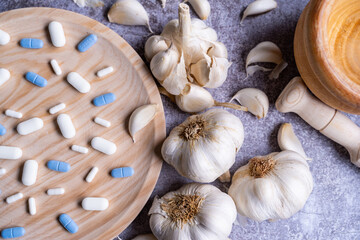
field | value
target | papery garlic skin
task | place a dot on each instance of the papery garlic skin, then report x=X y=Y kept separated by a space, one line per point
x=275 y=186
x=89 y=3
x=204 y=146
x=201 y=7
x=212 y=214
x=129 y=12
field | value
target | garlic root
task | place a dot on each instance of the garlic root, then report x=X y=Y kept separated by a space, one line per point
x=141 y=117
x=254 y=99
x=287 y=140
x=201 y=7
x=129 y=12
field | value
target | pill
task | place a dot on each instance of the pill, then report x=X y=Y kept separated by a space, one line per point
x=13 y=232
x=122 y=172
x=4 y=75
x=29 y=126
x=14 y=198
x=66 y=126
x=31 y=43
x=2 y=130
x=36 y=79
x=79 y=149
x=78 y=82
x=4 y=37
x=103 y=145
x=32 y=206
x=95 y=204
x=57 y=34
x=104 y=99
x=58 y=166
x=91 y=175
x=30 y=170
x=57 y=108
x=105 y=71
x=68 y=223
x=55 y=191
x=11 y=153
x=102 y=122
x=55 y=66
x=12 y=113
x=87 y=42
x=2 y=171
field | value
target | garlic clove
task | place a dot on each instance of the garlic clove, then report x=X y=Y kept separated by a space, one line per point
x=164 y=62
x=170 y=29
x=258 y=7
x=194 y=99
x=129 y=12
x=154 y=45
x=217 y=49
x=89 y=3
x=254 y=99
x=145 y=237
x=287 y=140
x=141 y=117
x=202 y=31
x=163 y=3
x=267 y=52
x=201 y=7
x=200 y=71
x=177 y=80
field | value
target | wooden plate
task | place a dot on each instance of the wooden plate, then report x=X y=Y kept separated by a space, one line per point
x=133 y=85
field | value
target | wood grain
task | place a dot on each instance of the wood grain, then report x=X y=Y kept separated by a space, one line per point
x=133 y=85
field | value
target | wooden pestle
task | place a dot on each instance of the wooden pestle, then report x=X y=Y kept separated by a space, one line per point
x=333 y=124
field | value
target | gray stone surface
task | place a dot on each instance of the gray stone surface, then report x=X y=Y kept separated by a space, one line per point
x=333 y=209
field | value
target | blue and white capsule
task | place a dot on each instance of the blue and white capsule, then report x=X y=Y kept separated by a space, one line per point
x=104 y=99
x=69 y=224
x=58 y=166
x=122 y=172
x=31 y=43
x=36 y=79
x=13 y=232
x=87 y=43
x=2 y=130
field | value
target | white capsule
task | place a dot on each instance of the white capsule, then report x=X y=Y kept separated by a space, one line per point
x=55 y=191
x=32 y=206
x=30 y=170
x=14 y=114
x=102 y=122
x=14 y=198
x=57 y=108
x=105 y=71
x=79 y=149
x=103 y=145
x=2 y=171
x=29 y=126
x=78 y=82
x=55 y=66
x=66 y=126
x=91 y=175
x=11 y=153
x=4 y=38
x=57 y=34
x=95 y=204
x=4 y=75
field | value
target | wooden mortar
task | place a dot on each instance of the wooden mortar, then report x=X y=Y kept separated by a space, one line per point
x=327 y=52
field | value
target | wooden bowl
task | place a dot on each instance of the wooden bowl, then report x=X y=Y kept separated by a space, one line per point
x=327 y=52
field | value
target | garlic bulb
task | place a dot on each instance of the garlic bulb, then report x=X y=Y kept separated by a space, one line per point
x=129 y=12
x=204 y=60
x=201 y=7
x=204 y=146
x=196 y=99
x=194 y=212
x=275 y=186
x=145 y=237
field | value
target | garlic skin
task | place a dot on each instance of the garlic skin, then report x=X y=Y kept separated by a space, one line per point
x=275 y=186
x=145 y=237
x=195 y=211
x=201 y=7
x=258 y=7
x=89 y=3
x=163 y=3
x=204 y=62
x=129 y=12
x=141 y=117
x=254 y=99
x=267 y=52
x=204 y=146
x=287 y=140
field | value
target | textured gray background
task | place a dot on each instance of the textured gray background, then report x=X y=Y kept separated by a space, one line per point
x=333 y=209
